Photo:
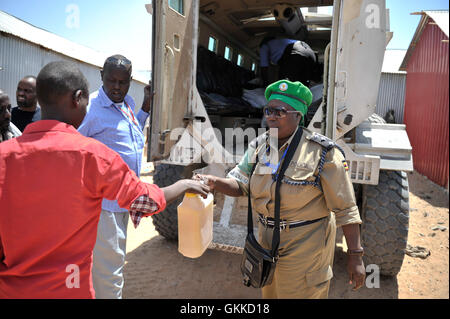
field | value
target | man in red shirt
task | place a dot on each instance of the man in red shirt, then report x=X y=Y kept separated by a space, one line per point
x=47 y=235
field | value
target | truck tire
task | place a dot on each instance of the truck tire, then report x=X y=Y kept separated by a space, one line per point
x=166 y=222
x=385 y=215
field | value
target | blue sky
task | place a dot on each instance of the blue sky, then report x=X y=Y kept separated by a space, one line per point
x=125 y=26
x=403 y=24
x=106 y=26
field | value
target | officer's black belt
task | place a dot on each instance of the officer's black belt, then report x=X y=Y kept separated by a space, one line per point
x=269 y=222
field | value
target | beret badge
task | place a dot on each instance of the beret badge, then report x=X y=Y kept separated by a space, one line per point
x=283 y=87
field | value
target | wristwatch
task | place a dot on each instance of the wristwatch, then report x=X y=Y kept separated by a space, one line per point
x=356 y=252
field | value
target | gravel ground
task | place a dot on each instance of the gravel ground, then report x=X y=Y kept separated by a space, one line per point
x=155 y=269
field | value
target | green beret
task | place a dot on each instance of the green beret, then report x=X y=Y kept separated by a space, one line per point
x=293 y=93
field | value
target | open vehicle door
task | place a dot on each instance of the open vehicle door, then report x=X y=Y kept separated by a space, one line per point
x=359 y=37
x=356 y=58
x=173 y=71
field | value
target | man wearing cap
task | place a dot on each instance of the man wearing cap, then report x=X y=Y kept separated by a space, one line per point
x=316 y=197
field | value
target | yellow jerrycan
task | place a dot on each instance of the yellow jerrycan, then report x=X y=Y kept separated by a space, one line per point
x=195 y=224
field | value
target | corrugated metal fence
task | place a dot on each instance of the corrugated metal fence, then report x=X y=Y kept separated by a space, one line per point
x=426 y=107
x=391 y=95
x=19 y=58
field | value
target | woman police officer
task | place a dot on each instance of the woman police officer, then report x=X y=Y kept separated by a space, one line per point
x=316 y=197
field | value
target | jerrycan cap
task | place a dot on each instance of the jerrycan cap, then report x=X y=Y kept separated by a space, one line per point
x=191 y=195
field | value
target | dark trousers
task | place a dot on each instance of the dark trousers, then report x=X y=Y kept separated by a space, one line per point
x=295 y=66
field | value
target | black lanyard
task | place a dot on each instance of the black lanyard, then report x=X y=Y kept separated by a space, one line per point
x=276 y=230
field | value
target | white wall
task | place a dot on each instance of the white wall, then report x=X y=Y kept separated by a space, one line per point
x=19 y=58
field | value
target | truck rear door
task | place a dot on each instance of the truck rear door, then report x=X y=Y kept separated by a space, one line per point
x=357 y=51
x=173 y=71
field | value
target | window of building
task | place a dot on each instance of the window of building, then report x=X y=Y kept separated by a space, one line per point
x=212 y=45
x=177 y=5
x=228 y=53
x=240 y=60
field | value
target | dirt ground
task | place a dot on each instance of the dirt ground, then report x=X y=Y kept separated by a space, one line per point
x=154 y=268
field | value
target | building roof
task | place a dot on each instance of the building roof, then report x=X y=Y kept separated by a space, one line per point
x=23 y=30
x=392 y=61
x=440 y=17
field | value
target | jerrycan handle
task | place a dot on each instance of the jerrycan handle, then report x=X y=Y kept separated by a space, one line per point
x=191 y=195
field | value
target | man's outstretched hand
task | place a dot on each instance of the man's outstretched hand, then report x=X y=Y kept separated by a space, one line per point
x=196 y=187
x=173 y=191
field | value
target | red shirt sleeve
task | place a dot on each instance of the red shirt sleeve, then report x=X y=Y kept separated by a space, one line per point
x=111 y=178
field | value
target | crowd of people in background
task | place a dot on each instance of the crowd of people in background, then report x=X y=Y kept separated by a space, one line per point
x=13 y=120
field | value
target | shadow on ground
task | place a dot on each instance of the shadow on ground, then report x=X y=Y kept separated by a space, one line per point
x=426 y=190
x=157 y=270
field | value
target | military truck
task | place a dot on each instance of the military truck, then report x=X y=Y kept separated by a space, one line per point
x=205 y=61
